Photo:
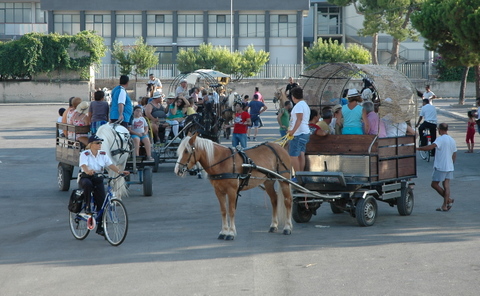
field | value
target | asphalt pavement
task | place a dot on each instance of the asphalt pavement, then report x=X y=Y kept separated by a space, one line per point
x=172 y=247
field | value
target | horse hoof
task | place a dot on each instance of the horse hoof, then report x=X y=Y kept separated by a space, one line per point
x=287 y=231
x=222 y=236
x=229 y=237
x=273 y=229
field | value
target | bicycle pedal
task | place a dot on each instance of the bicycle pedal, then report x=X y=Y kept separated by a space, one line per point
x=91 y=223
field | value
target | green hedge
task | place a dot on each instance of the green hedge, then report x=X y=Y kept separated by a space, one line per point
x=40 y=53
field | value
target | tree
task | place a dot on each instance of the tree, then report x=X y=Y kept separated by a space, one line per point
x=236 y=64
x=385 y=16
x=328 y=51
x=136 y=60
x=442 y=36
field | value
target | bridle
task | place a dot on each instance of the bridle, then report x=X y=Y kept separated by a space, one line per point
x=184 y=166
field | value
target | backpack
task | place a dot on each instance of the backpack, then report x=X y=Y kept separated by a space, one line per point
x=76 y=201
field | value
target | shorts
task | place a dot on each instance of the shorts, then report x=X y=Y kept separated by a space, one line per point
x=141 y=138
x=298 y=145
x=440 y=176
x=255 y=120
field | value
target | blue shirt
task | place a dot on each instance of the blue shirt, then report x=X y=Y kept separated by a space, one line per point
x=120 y=95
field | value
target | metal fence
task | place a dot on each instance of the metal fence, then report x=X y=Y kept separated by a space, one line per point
x=278 y=71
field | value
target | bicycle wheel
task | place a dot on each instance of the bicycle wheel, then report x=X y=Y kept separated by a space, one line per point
x=115 y=222
x=78 y=226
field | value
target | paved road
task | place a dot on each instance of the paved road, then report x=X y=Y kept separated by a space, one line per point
x=171 y=247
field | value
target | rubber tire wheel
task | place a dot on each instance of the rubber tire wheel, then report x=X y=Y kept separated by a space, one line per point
x=366 y=211
x=64 y=175
x=300 y=213
x=335 y=209
x=156 y=157
x=147 y=182
x=115 y=223
x=79 y=230
x=405 y=202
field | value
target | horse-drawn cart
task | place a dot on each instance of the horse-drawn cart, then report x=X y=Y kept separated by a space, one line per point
x=352 y=172
x=118 y=145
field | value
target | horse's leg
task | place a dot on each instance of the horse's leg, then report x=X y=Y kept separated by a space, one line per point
x=287 y=201
x=223 y=211
x=270 y=189
x=232 y=203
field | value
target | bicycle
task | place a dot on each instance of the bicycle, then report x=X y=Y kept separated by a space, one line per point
x=114 y=218
x=426 y=155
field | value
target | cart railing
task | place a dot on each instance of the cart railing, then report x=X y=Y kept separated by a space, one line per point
x=67 y=151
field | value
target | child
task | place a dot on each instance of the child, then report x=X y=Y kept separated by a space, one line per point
x=470 y=131
x=139 y=132
x=98 y=111
x=283 y=117
x=59 y=120
x=240 y=126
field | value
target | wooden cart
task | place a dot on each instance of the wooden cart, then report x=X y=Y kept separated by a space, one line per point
x=352 y=173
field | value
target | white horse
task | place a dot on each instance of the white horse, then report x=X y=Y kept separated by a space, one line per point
x=117 y=144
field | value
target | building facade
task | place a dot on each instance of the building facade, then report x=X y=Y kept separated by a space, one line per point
x=173 y=25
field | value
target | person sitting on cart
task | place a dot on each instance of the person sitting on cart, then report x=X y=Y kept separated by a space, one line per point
x=354 y=115
x=176 y=115
x=313 y=124
x=94 y=160
x=139 y=132
x=156 y=113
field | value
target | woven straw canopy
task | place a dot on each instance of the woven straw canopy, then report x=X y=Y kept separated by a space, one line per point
x=325 y=84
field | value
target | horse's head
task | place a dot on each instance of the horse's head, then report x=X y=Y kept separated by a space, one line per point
x=280 y=96
x=186 y=155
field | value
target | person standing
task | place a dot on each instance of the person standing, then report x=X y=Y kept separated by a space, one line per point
x=470 y=137
x=283 y=117
x=291 y=85
x=98 y=111
x=121 y=108
x=256 y=108
x=429 y=115
x=428 y=94
x=260 y=97
x=443 y=166
x=240 y=126
x=299 y=130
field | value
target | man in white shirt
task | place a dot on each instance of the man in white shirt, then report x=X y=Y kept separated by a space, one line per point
x=443 y=166
x=428 y=94
x=182 y=89
x=153 y=85
x=429 y=115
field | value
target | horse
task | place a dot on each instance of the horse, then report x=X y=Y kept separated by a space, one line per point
x=118 y=145
x=280 y=97
x=228 y=177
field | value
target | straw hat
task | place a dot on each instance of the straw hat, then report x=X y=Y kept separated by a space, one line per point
x=157 y=94
x=352 y=93
x=171 y=96
x=82 y=108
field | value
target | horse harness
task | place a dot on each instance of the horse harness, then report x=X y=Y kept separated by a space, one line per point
x=244 y=177
x=123 y=142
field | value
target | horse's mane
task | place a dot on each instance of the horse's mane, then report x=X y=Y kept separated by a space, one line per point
x=200 y=143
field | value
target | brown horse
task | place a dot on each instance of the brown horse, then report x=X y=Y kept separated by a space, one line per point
x=228 y=178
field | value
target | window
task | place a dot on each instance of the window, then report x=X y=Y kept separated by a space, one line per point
x=251 y=25
x=18 y=13
x=66 y=23
x=100 y=23
x=219 y=25
x=129 y=25
x=329 y=21
x=283 y=25
x=165 y=54
x=40 y=15
x=190 y=25
x=159 y=25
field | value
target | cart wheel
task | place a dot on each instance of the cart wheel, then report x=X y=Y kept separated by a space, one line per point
x=405 y=202
x=335 y=209
x=366 y=211
x=64 y=175
x=156 y=157
x=300 y=213
x=147 y=181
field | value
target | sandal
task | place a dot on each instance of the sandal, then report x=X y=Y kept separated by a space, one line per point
x=443 y=210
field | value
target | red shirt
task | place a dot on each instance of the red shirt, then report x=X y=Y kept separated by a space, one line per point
x=240 y=127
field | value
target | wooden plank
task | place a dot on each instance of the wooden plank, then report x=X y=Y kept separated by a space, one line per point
x=406 y=167
x=341 y=144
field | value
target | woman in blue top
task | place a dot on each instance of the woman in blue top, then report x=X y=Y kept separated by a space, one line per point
x=353 y=115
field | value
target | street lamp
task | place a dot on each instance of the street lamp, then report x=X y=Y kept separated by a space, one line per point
x=231 y=25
